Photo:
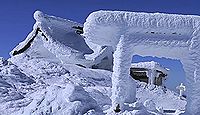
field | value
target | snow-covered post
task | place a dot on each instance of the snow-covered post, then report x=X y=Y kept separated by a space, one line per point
x=123 y=87
x=148 y=73
x=151 y=74
x=181 y=89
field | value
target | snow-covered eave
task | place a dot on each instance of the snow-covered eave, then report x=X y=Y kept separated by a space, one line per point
x=48 y=23
x=41 y=27
x=26 y=44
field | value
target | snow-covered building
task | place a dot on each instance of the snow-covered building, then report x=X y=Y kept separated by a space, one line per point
x=149 y=72
x=59 y=40
x=54 y=38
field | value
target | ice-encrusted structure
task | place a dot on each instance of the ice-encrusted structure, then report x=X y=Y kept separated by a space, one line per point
x=35 y=81
x=148 y=34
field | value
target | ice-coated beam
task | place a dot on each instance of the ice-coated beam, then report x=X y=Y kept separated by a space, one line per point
x=105 y=27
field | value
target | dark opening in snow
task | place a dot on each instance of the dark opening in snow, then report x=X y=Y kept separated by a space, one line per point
x=79 y=29
x=141 y=76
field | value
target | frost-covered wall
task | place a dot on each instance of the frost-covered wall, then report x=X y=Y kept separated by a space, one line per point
x=148 y=34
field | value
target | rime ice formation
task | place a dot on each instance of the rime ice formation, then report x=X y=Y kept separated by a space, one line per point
x=43 y=76
x=148 y=34
x=120 y=89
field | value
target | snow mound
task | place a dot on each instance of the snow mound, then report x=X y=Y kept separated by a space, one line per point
x=53 y=83
x=61 y=100
x=163 y=98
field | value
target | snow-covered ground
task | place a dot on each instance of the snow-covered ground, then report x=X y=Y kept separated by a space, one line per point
x=44 y=87
x=46 y=76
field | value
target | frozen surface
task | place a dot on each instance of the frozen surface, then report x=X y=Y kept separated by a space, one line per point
x=176 y=27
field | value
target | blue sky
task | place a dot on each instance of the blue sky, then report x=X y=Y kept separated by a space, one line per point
x=16 y=16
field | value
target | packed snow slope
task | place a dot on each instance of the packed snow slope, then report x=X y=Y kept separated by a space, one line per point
x=43 y=77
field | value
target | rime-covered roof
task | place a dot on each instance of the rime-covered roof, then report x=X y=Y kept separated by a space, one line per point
x=150 y=65
x=56 y=36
